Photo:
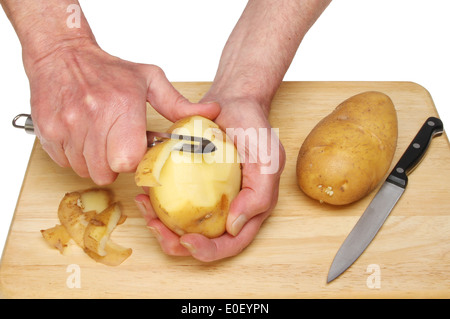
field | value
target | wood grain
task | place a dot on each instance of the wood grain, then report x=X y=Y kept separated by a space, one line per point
x=293 y=251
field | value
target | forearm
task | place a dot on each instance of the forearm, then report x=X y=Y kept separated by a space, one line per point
x=45 y=26
x=261 y=47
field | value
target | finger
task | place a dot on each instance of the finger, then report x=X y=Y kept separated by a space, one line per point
x=126 y=142
x=259 y=194
x=74 y=153
x=205 y=249
x=168 y=240
x=77 y=161
x=53 y=148
x=170 y=103
x=56 y=153
x=95 y=155
x=145 y=207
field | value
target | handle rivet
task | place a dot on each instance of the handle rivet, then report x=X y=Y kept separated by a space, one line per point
x=416 y=145
x=400 y=170
x=431 y=123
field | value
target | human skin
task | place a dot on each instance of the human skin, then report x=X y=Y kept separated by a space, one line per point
x=253 y=63
x=88 y=107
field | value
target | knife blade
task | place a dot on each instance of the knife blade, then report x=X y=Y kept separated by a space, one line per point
x=384 y=201
x=194 y=144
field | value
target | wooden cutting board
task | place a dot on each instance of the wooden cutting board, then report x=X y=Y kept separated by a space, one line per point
x=292 y=253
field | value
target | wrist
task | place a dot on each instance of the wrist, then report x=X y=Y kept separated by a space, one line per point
x=233 y=101
x=39 y=45
x=37 y=54
x=235 y=95
x=44 y=27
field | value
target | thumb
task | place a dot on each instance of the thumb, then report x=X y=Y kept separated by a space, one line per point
x=168 y=102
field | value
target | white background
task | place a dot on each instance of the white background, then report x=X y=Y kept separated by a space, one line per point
x=355 y=40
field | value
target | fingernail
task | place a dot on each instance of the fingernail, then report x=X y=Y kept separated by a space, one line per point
x=188 y=246
x=155 y=232
x=238 y=224
x=141 y=207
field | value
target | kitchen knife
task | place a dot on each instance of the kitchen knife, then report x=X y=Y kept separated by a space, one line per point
x=194 y=144
x=384 y=201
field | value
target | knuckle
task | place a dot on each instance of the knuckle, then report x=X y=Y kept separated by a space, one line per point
x=156 y=72
x=48 y=131
x=180 y=99
x=91 y=103
x=265 y=203
x=70 y=118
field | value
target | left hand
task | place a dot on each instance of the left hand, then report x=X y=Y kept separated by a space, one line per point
x=253 y=204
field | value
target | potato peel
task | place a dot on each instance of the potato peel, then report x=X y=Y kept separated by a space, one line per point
x=89 y=217
x=99 y=229
x=115 y=254
x=57 y=237
x=95 y=200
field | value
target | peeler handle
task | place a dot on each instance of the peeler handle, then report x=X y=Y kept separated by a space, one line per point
x=28 y=126
x=203 y=145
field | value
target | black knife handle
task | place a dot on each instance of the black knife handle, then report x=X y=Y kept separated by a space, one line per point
x=415 y=151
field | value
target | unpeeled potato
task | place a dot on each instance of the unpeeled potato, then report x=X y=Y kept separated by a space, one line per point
x=349 y=151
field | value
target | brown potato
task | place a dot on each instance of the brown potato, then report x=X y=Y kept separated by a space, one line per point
x=348 y=152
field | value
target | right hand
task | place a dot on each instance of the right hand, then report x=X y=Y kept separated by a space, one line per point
x=89 y=109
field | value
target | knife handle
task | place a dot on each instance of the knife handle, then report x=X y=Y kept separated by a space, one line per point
x=415 y=151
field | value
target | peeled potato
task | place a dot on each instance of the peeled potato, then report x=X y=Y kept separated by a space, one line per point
x=192 y=192
x=348 y=152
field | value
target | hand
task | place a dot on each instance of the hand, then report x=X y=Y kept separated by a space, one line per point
x=254 y=202
x=89 y=109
